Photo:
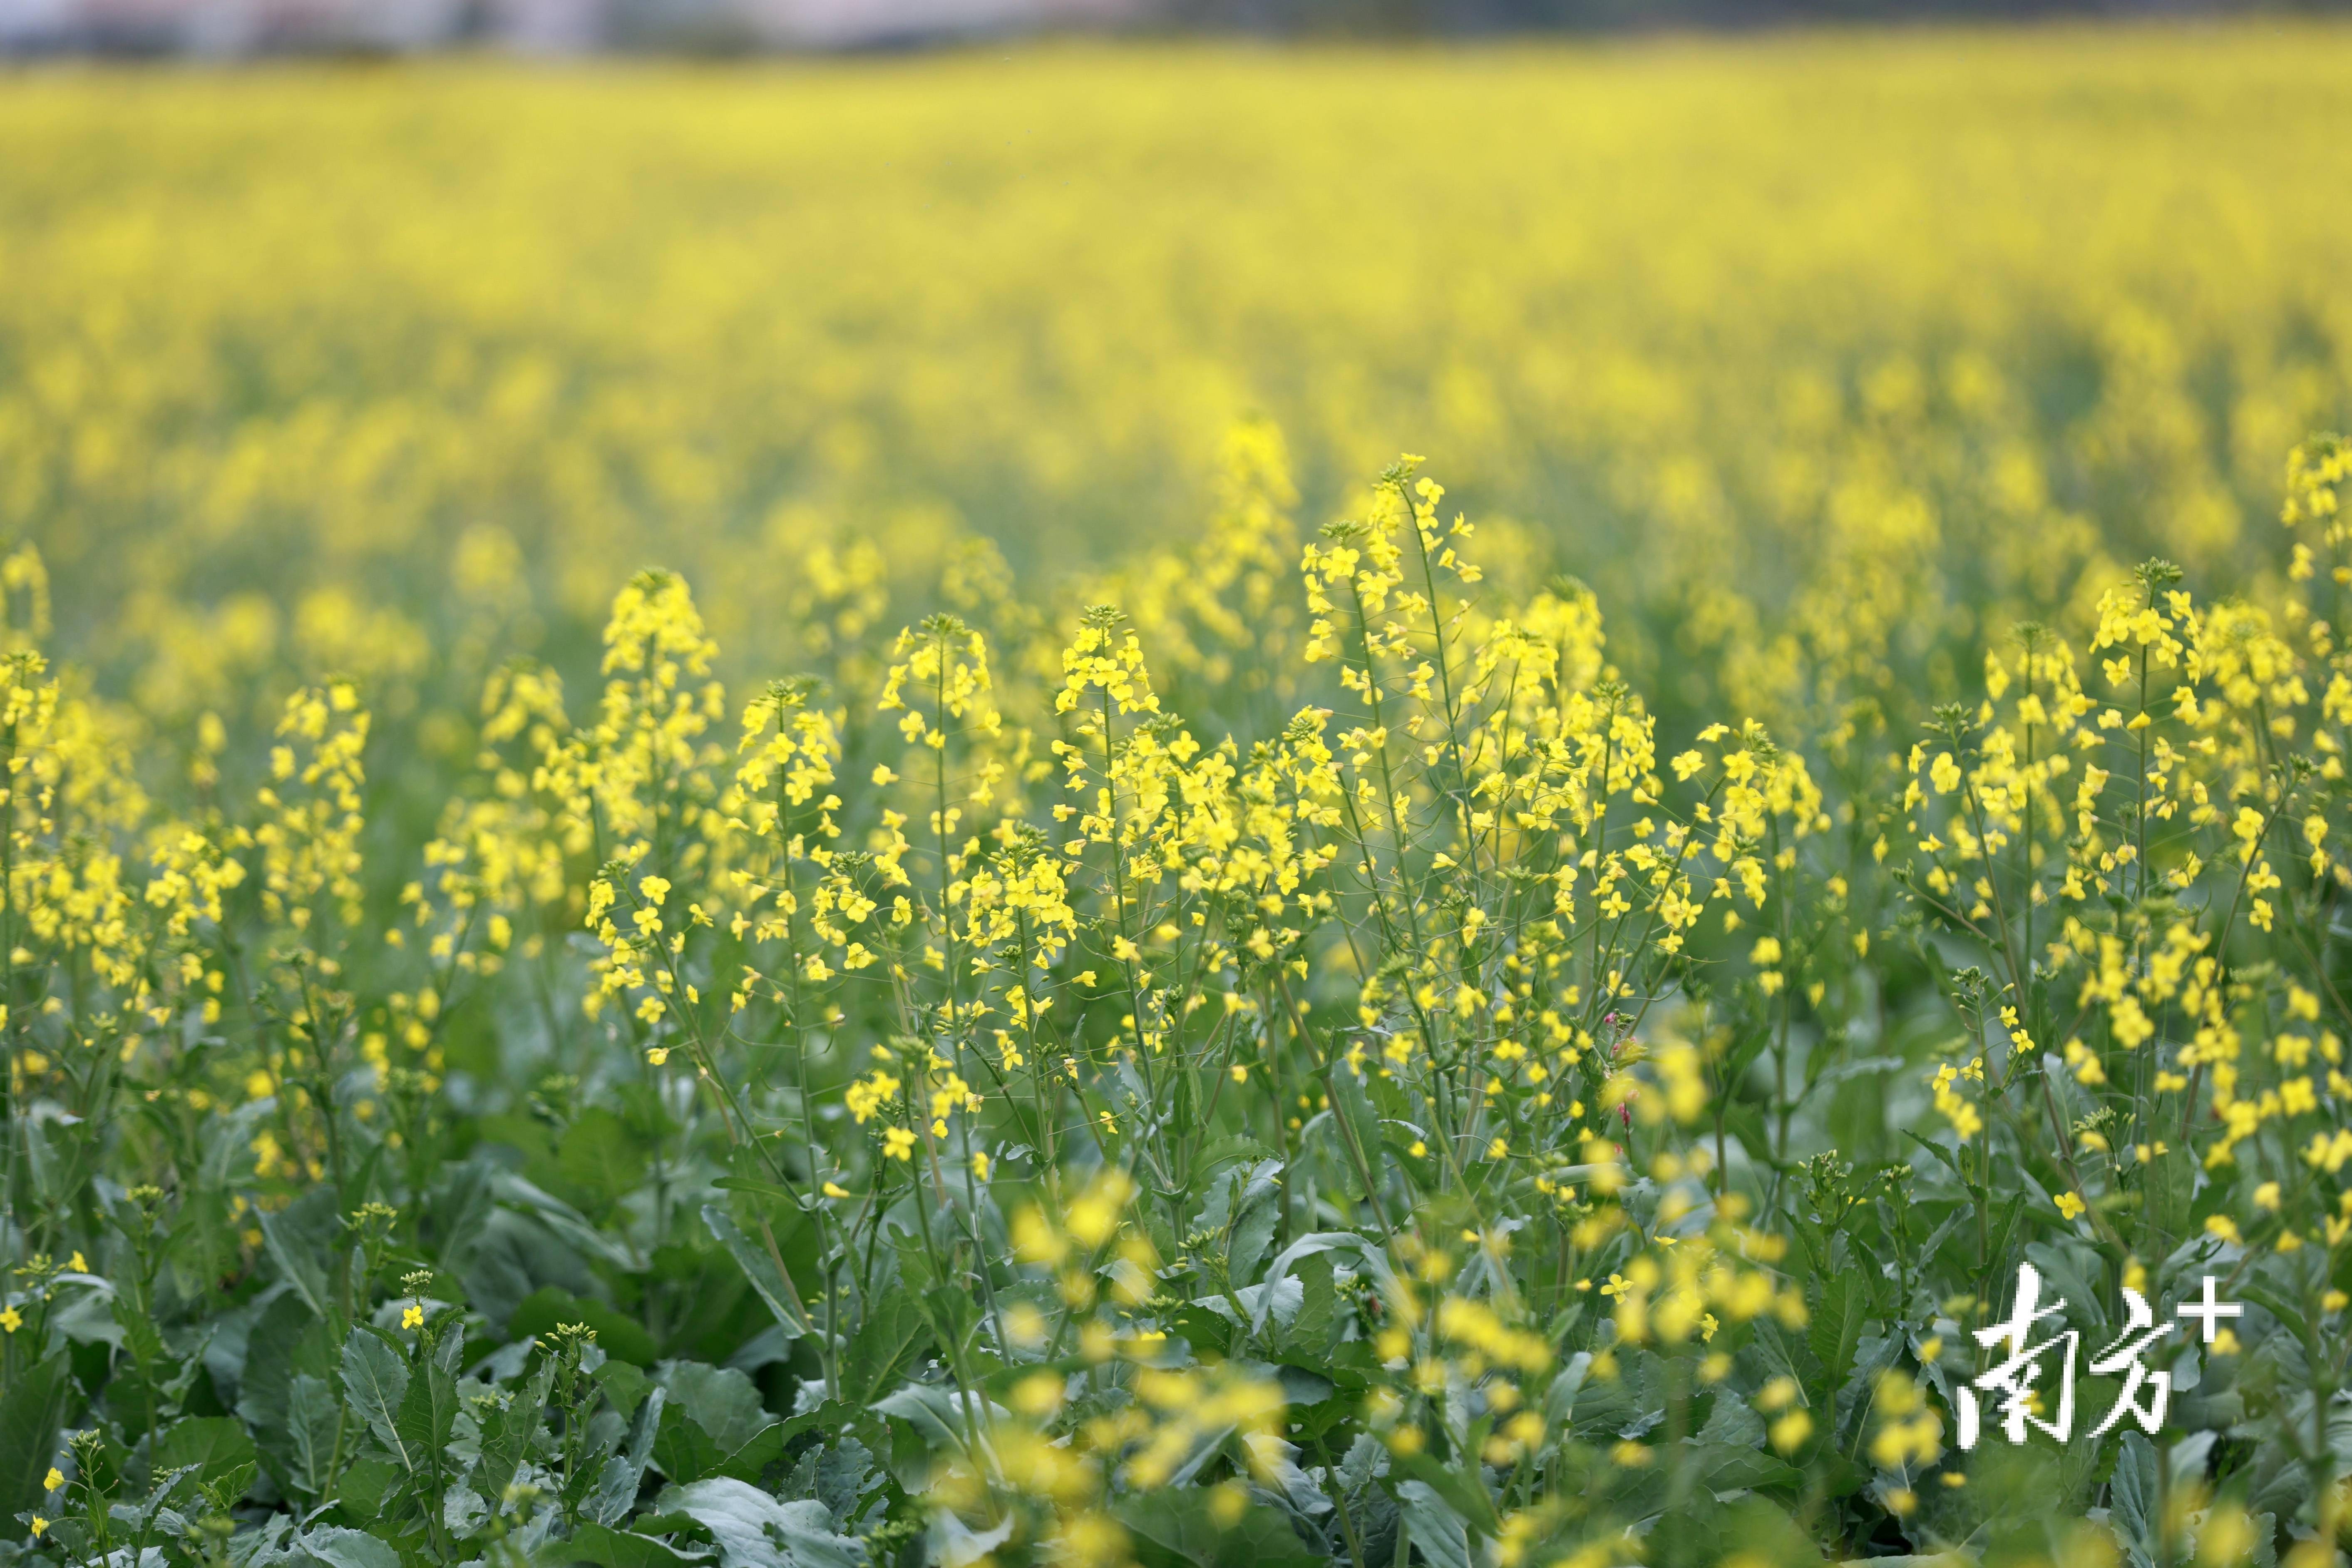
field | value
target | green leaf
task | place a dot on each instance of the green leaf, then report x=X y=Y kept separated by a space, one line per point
x=309 y=1434
x=952 y=1312
x=2170 y=1183
x=1733 y=1422
x=363 y=1486
x=1856 y=1387
x=1309 y=1333
x=768 y=1190
x=375 y=1380
x=30 y=1414
x=1256 y=1205
x=1950 y=1159
x=753 y=1530
x=1782 y=1352
x=1464 y=1493
x=624 y=1385
x=301 y=1238
x=349 y=1549
x=930 y=1408
x=217 y=1446
x=142 y=1339
x=2004 y=1225
x=289 y=1339
x=2132 y=1499
x=1724 y=1467
x=1767 y=1533
x=1359 y=1128
x=1174 y=1529
x=608 y=1548
x=1233 y=1146
x=1442 y=1534
x=429 y=1411
x=507 y=1440
x=1834 y=1333
x=714 y=1425
x=758 y=1267
x=1302 y=1389
x=608 y=1481
x=1209 y=1333
x=884 y=1345
x=560 y=1219
x=720 y=1400
x=600 y=1155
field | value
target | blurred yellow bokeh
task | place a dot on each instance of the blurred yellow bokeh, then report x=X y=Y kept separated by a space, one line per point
x=1787 y=346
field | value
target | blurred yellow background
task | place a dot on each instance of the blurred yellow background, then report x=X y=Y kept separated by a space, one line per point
x=1786 y=345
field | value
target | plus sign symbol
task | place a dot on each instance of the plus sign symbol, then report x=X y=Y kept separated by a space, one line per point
x=2209 y=1311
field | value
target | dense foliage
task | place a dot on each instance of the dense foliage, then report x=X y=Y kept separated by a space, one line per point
x=1290 y=1061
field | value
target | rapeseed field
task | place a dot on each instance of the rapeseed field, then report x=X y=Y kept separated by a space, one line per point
x=759 y=815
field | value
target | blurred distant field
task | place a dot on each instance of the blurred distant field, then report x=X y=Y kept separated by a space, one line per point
x=1748 y=333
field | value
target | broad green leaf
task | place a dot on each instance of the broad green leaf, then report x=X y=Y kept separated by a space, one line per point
x=30 y=1414
x=311 y=1413
x=142 y=1342
x=615 y=1471
x=1726 y=1468
x=336 y=1548
x=217 y=1446
x=1373 y=1257
x=363 y=1485
x=600 y=1155
x=560 y=1219
x=883 y=1347
x=2170 y=1184
x=507 y=1438
x=720 y=1400
x=428 y=1413
x=758 y=1267
x=932 y=1410
x=1765 y=1532
x=757 y=1188
x=607 y=1548
x=1174 y=1528
x=952 y=1310
x=1256 y=1208
x=685 y=1452
x=301 y=1239
x=624 y=1385
x=375 y=1380
x=1441 y=1533
x=2133 y=1506
x=1733 y=1422
x=1463 y=1492
x=1309 y=1332
x=463 y=1509
x=1835 y=1331
x=1359 y=1126
x=752 y=1529
x=289 y=1339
